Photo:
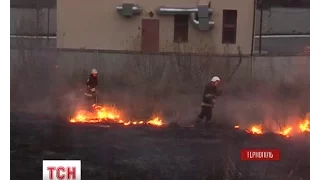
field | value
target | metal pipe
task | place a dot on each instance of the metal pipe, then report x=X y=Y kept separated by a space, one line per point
x=173 y=11
x=253 y=27
x=253 y=39
x=48 y=27
x=260 y=29
x=38 y=17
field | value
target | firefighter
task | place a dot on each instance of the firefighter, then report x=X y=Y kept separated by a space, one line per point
x=92 y=84
x=211 y=91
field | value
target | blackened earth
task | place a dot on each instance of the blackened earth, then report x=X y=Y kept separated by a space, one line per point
x=150 y=153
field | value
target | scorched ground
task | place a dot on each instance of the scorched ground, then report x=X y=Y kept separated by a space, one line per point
x=148 y=152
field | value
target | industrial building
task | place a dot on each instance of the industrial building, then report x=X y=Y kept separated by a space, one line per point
x=152 y=26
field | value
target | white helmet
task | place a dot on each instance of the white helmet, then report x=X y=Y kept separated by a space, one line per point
x=94 y=71
x=215 y=78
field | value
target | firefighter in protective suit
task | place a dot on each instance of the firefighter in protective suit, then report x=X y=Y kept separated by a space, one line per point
x=92 y=84
x=209 y=96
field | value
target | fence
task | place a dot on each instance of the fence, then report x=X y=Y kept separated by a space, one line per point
x=110 y=64
x=28 y=21
x=273 y=21
x=270 y=46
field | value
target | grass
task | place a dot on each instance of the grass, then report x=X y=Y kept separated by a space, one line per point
x=141 y=86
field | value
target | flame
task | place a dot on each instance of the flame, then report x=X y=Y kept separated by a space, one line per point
x=105 y=113
x=255 y=130
x=286 y=132
x=156 y=121
x=305 y=126
x=302 y=126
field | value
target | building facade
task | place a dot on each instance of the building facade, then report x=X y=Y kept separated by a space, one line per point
x=192 y=26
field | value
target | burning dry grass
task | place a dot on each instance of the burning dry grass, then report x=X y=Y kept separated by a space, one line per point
x=302 y=126
x=110 y=114
x=102 y=114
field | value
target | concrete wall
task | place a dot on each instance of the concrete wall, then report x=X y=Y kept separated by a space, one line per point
x=98 y=26
x=69 y=63
x=284 y=21
x=24 y=21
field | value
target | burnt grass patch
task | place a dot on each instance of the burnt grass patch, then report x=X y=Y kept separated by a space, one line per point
x=110 y=151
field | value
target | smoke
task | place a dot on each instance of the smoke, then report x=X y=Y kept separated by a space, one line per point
x=173 y=91
x=278 y=100
x=37 y=87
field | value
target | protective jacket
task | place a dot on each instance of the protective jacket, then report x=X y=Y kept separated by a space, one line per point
x=209 y=95
x=92 y=83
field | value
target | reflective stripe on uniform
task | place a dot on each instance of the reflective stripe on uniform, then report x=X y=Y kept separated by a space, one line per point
x=205 y=104
x=209 y=95
x=87 y=94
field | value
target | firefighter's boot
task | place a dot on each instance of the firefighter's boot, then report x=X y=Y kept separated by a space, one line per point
x=208 y=124
x=198 y=122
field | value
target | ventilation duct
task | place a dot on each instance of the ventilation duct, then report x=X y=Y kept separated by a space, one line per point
x=174 y=11
x=203 y=24
x=128 y=9
x=199 y=16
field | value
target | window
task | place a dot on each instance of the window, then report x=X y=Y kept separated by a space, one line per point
x=229 y=27
x=181 y=28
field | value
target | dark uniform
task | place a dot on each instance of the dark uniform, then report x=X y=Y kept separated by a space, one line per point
x=208 y=100
x=90 y=93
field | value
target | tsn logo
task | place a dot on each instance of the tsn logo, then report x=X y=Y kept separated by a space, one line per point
x=61 y=169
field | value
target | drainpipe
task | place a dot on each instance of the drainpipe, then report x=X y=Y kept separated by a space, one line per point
x=253 y=27
x=260 y=28
x=253 y=39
